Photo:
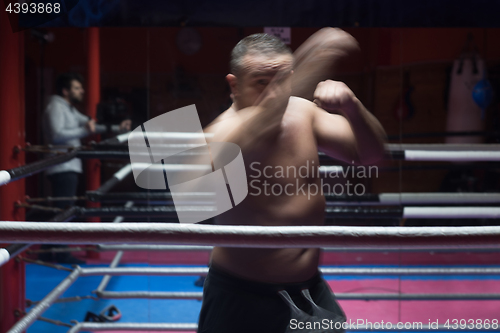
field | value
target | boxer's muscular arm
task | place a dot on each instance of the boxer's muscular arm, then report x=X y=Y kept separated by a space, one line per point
x=318 y=56
x=358 y=136
x=249 y=128
x=253 y=127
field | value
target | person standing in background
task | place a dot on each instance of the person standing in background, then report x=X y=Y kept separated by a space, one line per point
x=64 y=125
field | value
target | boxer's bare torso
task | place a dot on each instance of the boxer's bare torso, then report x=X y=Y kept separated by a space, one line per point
x=294 y=146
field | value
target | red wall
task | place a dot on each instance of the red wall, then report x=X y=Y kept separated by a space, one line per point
x=134 y=50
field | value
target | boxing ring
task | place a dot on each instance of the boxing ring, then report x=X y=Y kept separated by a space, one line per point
x=393 y=238
x=168 y=237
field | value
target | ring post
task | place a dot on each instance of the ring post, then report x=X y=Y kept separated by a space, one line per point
x=12 y=277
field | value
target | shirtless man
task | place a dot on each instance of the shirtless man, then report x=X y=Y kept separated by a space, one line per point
x=275 y=129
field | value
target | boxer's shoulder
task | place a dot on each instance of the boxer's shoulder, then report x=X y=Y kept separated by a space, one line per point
x=299 y=103
x=226 y=120
x=300 y=109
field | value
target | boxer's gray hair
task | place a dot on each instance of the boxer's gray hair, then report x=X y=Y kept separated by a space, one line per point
x=259 y=43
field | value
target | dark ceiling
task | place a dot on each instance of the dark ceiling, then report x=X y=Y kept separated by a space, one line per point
x=294 y=13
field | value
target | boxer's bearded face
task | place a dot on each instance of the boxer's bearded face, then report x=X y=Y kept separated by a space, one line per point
x=75 y=93
x=258 y=71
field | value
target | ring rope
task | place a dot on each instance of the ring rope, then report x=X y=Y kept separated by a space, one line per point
x=250 y=236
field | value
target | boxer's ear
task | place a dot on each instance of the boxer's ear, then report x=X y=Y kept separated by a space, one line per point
x=233 y=84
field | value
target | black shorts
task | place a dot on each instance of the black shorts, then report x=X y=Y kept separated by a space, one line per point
x=231 y=304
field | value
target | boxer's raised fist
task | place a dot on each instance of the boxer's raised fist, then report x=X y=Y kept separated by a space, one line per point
x=334 y=96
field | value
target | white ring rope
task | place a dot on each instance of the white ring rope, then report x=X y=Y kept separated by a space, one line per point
x=487 y=237
x=4 y=256
x=4 y=177
x=438 y=198
x=451 y=156
x=451 y=212
x=410 y=198
x=123 y=172
x=443 y=146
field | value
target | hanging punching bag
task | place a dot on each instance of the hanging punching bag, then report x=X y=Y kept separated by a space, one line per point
x=482 y=93
x=464 y=114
